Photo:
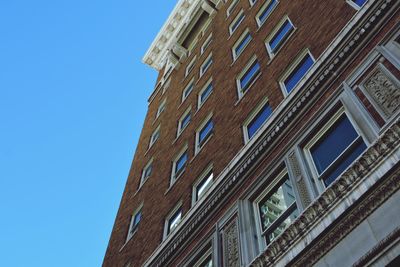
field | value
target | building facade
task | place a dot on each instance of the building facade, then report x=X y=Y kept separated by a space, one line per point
x=272 y=138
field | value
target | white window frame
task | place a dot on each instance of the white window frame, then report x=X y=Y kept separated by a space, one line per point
x=201 y=260
x=190 y=66
x=143 y=178
x=201 y=103
x=200 y=179
x=161 y=108
x=167 y=231
x=252 y=2
x=199 y=146
x=272 y=53
x=207 y=63
x=206 y=44
x=236 y=21
x=180 y=127
x=262 y=9
x=251 y=116
x=132 y=230
x=175 y=177
x=238 y=42
x=190 y=84
x=231 y=7
x=166 y=86
x=317 y=137
x=293 y=65
x=242 y=73
x=152 y=140
x=276 y=180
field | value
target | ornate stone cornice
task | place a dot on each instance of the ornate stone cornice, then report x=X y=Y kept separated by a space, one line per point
x=331 y=64
x=179 y=18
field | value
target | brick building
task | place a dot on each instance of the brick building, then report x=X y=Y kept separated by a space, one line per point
x=272 y=138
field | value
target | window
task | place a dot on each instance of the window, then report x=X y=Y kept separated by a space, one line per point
x=205 y=93
x=154 y=137
x=279 y=35
x=203 y=183
x=257 y=119
x=276 y=207
x=190 y=66
x=188 y=90
x=231 y=7
x=173 y=220
x=236 y=22
x=205 y=260
x=206 y=44
x=334 y=147
x=206 y=65
x=204 y=133
x=252 y=2
x=135 y=220
x=357 y=3
x=248 y=76
x=297 y=71
x=146 y=172
x=161 y=108
x=184 y=121
x=266 y=11
x=241 y=44
x=179 y=164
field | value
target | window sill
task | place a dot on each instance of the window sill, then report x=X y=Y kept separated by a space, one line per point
x=248 y=89
x=179 y=135
x=175 y=180
x=127 y=241
x=202 y=104
x=201 y=148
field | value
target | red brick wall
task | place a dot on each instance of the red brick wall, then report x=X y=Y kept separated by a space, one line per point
x=317 y=23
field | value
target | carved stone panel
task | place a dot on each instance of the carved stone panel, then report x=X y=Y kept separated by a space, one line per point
x=301 y=183
x=384 y=91
x=230 y=240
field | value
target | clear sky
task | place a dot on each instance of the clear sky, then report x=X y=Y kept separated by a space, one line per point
x=73 y=97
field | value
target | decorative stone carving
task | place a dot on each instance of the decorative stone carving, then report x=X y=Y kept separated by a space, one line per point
x=231 y=245
x=384 y=91
x=301 y=184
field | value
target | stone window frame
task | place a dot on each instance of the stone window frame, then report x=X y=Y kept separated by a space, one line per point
x=134 y=228
x=207 y=84
x=344 y=103
x=161 y=108
x=190 y=86
x=181 y=127
x=190 y=66
x=236 y=22
x=231 y=7
x=208 y=245
x=239 y=41
x=167 y=231
x=153 y=138
x=206 y=65
x=252 y=115
x=292 y=67
x=204 y=175
x=275 y=178
x=246 y=68
x=175 y=176
x=272 y=54
x=206 y=44
x=199 y=145
x=143 y=177
x=263 y=8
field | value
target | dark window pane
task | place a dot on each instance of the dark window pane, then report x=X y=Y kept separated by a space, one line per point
x=237 y=23
x=264 y=15
x=180 y=163
x=298 y=73
x=174 y=220
x=205 y=132
x=185 y=121
x=187 y=91
x=242 y=44
x=258 y=120
x=280 y=36
x=206 y=93
x=360 y=2
x=249 y=76
x=345 y=162
x=333 y=143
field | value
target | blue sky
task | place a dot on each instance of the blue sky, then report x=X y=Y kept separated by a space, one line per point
x=73 y=97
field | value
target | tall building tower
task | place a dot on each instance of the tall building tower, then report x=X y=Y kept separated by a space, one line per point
x=272 y=138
